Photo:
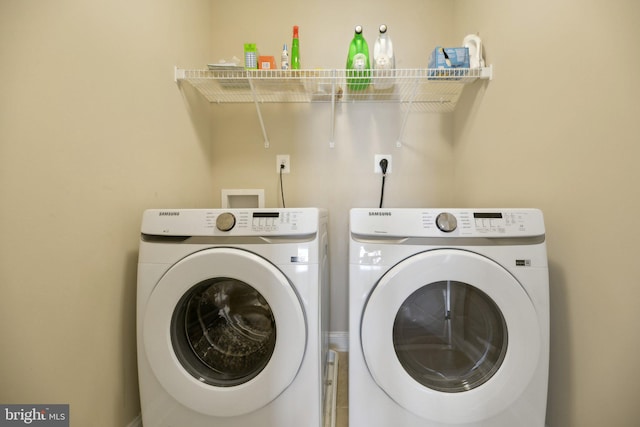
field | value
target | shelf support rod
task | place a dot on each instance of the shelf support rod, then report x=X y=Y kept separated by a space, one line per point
x=332 y=141
x=406 y=114
x=255 y=101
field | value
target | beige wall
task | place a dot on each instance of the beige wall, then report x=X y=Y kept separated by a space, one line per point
x=342 y=177
x=93 y=130
x=556 y=130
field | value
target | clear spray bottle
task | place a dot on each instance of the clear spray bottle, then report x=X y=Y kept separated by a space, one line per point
x=384 y=61
x=284 y=58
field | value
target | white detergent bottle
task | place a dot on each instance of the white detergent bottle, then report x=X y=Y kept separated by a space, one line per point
x=384 y=62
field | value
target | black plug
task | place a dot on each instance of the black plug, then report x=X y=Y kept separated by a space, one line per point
x=384 y=163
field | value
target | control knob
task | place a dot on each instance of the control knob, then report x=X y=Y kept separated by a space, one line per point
x=225 y=221
x=446 y=222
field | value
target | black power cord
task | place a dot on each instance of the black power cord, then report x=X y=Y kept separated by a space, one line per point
x=281 y=186
x=384 y=163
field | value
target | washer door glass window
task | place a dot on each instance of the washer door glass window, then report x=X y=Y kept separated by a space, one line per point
x=210 y=335
x=445 y=321
x=223 y=331
x=450 y=336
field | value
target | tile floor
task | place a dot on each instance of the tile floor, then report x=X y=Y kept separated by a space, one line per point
x=342 y=397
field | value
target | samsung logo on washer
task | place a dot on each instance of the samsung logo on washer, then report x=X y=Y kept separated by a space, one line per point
x=379 y=213
x=167 y=213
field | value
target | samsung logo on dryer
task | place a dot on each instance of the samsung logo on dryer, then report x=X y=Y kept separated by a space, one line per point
x=168 y=213
x=379 y=213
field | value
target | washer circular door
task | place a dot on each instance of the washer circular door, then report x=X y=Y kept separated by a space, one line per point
x=451 y=336
x=224 y=332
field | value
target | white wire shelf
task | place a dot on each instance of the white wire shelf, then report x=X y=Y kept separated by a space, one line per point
x=439 y=88
x=426 y=89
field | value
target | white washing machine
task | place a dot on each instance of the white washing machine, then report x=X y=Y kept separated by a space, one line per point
x=232 y=317
x=449 y=318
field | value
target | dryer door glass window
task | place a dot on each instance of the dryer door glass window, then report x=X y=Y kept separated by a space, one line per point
x=450 y=336
x=223 y=332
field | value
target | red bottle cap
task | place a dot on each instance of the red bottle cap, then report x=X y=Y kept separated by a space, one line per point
x=295 y=31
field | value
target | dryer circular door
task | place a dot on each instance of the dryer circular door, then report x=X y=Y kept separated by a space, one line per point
x=451 y=336
x=224 y=332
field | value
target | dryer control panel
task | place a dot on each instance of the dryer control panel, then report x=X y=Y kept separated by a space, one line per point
x=231 y=222
x=447 y=222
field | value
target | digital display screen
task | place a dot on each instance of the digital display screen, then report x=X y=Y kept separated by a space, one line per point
x=487 y=215
x=266 y=214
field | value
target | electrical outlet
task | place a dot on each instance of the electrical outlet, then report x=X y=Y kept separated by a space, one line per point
x=283 y=159
x=376 y=162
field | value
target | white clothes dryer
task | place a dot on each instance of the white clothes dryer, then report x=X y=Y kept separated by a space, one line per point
x=449 y=318
x=232 y=315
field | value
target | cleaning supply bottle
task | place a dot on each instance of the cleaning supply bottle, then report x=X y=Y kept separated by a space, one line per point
x=284 y=58
x=295 y=50
x=384 y=62
x=358 y=65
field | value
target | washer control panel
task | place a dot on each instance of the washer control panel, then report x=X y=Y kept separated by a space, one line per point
x=232 y=222
x=448 y=222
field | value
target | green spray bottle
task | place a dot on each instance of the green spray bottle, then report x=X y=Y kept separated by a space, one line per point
x=358 y=64
x=295 y=50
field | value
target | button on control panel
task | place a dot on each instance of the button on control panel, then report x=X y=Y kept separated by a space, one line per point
x=499 y=222
x=265 y=222
x=225 y=221
x=446 y=222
